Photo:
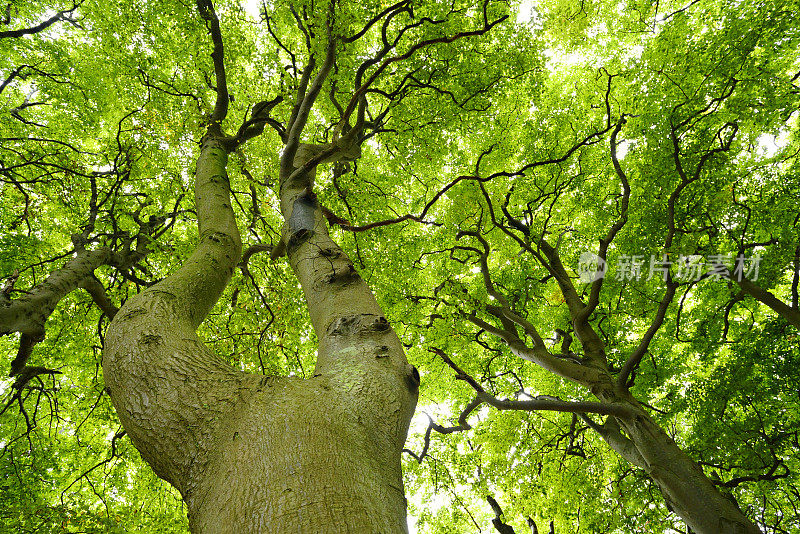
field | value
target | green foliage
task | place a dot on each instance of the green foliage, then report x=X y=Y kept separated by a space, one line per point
x=113 y=104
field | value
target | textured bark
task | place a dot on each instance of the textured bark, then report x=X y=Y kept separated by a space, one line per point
x=29 y=313
x=303 y=456
x=253 y=454
x=168 y=388
x=686 y=489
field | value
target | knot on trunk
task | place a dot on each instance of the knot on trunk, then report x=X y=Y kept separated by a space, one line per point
x=150 y=339
x=412 y=377
x=329 y=252
x=361 y=324
x=341 y=277
x=298 y=238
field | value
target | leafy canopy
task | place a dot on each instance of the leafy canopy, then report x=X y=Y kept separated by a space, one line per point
x=101 y=112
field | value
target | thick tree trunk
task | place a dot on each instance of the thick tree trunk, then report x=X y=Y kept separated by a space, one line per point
x=638 y=438
x=686 y=489
x=643 y=443
x=302 y=456
x=253 y=454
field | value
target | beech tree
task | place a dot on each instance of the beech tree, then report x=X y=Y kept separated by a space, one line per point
x=225 y=225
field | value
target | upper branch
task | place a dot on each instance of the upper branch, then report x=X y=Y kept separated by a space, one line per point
x=291 y=54
x=207 y=13
x=539 y=355
x=503 y=312
x=362 y=89
x=792 y=315
x=594 y=297
x=636 y=356
x=305 y=102
x=538 y=403
x=374 y=20
x=259 y=118
x=549 y=256
x=60 y=15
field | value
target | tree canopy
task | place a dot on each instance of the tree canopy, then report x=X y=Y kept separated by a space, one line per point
x=568 y=211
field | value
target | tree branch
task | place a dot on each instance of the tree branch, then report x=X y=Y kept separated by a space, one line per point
x=546 y=403
x=305 y=102
x=611 y=434
x=632 y=362
x=498 y=522
x=594 y=297
x=361 y=90
x=60 y=15
x=98 y=293
x=792 y=315
x=207 y=13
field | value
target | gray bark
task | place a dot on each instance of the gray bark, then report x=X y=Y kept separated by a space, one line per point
x=686 y=489
x=253 y=454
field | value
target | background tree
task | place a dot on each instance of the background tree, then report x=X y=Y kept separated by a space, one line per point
x=475 y=161
x=687 y=152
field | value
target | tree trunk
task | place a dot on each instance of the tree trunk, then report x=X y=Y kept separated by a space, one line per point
x=686 y=489
x=255 y=454
x=303 y=456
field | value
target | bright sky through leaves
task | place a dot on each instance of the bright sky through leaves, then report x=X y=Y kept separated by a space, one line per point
x=486 y=173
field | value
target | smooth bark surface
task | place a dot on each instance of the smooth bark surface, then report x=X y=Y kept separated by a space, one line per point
x=686 y=489
x=255 y=454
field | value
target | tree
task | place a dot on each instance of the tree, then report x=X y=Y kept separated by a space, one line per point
x=701 y=116
x=497 y=169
